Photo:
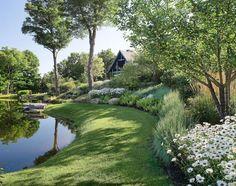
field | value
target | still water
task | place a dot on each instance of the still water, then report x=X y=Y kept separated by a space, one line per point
x=25 y=142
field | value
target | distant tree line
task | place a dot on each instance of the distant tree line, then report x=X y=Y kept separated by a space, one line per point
x=74 y=69
x=18 y=71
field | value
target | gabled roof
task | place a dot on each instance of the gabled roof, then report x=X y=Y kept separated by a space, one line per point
x=129 y=55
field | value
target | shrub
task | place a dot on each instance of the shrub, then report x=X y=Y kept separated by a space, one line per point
x=104 y=99
x=179 y=82
x=83 y=89
x=132 y=77
x=149 y=104
x=173 y=120
x=203 y=109
x=67 y=86
x=24 y=95
x=111 y=92
x=129 y=99
x=206 y=154
x=24 y=92
x=156 y=91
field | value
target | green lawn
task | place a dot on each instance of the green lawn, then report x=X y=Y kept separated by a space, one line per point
x=112 y=148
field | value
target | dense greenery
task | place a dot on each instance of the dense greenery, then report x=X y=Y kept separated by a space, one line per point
x=111 y=148
x=18 y=70
x=49 y=27
x=196 y=38
x=173 y=120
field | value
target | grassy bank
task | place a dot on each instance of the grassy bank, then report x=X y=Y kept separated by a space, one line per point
x=111 y=148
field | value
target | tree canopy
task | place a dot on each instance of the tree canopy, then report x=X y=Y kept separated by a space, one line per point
x=194 y=37
x=19 y=70
x=49 y=27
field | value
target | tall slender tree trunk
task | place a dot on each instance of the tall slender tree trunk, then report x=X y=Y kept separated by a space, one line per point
x=92 y=37
x=57 y=89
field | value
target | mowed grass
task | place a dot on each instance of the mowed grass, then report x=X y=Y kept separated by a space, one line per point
x=112 y=147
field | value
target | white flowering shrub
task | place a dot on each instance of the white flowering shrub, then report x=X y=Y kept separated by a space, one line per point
x=112 y=92
x=207 y=153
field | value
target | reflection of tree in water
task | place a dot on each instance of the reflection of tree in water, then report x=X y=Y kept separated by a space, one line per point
x=55 y=149
x=14 y=124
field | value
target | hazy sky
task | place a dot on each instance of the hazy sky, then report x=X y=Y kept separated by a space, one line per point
x=12 y=16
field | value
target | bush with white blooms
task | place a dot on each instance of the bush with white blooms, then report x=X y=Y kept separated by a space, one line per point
x=111 y=92
x=207 y=153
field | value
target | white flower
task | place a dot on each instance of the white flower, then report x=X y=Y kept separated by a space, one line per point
x=189 y=170
x=199 y=178
x=168 y=151
x=209 y=171
x=173 y=159
x=191 y=180
x=221 y=183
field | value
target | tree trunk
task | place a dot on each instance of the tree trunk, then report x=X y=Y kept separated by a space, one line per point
x=222 y=101
x=57 y=88
x=214 y=97
x=8 y=88
x=92 y=37
x=227 y=93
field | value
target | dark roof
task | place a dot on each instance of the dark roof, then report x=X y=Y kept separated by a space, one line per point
x=129 y=56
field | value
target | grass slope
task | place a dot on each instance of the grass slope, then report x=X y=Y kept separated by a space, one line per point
x=112 y=148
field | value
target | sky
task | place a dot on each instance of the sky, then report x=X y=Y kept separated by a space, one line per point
x=12 y=15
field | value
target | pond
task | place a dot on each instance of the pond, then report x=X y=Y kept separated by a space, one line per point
x=26 y=141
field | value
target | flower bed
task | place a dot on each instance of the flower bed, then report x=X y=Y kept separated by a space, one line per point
x=111 y=92
x=207 y=153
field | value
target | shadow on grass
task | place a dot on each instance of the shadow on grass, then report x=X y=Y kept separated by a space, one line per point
x=123 y=142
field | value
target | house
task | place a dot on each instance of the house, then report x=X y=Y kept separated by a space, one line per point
x=122 y=58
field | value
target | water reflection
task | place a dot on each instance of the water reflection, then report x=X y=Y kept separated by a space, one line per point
x=25 y=142
x=14 y=124
x=55 y=149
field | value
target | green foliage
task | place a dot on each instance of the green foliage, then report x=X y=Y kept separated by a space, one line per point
x=179 y=82
x=129 y=99
x=195 y=38
x=49 y=26
x=19 y=70
x=72 y=67
x=203 y=109
x=24 y=92
x=67 y=86
x=157 y=91
x=108 y=58
x=173 y=120
x=47 y=23
x=104 y=99
x=149 y=104
x=131 y=77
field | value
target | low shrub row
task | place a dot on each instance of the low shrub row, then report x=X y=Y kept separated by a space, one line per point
x=173 y=119
x=111 y=92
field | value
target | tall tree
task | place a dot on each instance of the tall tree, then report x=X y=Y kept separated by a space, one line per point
x=72 y=67
x=108 y=57
x=194 y=37
x=19 y=70
x=89 y=16
x=49 y=27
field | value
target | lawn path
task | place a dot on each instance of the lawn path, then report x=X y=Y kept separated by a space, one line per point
x=112 y=148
